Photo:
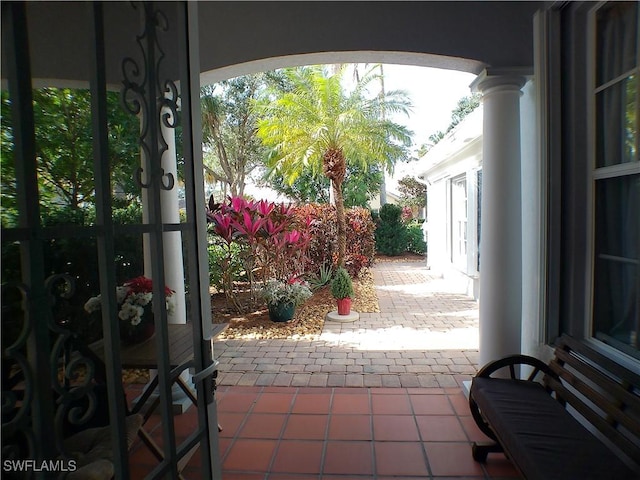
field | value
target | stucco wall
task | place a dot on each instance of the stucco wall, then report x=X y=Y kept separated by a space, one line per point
x=494 y=33
x=457 y=35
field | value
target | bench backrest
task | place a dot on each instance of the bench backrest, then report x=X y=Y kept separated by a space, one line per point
x=605 y=393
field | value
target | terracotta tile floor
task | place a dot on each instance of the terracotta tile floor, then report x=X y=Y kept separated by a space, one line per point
x=289 y=433
x=328 y=414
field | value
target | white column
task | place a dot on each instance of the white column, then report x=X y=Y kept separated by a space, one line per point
x=172 y=247
x=173 y=258
x=169 y=204
x=501 y=229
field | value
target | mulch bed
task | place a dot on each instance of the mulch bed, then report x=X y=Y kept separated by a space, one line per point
x=307 y=322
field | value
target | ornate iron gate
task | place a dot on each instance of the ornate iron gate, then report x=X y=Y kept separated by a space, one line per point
x=52 y=381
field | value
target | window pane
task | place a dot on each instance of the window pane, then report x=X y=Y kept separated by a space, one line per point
x=479 y=214
x=617 y=39
x=617 y=123
x=459 y=221
x=616 y=313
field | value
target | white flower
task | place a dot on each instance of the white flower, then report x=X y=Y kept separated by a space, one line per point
x=171 y=306
x=93 y=304
x=126 y=311
x=138 y=317
x=132 y=305
x=140 y=298
x=121 y=293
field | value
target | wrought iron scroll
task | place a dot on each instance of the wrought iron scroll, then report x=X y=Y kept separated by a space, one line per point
x=16 y=402
x=72 y=373
x=152 y=99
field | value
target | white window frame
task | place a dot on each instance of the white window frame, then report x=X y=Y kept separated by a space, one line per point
x=601 y=173
x=473 y=205
x=459 y=260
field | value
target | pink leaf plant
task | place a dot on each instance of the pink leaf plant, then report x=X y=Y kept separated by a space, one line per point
x=222 y=226
x=273 y=243
x=248 y=225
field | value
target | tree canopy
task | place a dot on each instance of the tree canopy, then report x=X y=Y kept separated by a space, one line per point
x=64 y=148
x=232 y=148
x=359 y=187
x=414 y=193
x=316 y=125
x=465 y=106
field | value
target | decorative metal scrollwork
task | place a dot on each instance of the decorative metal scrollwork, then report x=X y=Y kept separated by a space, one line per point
x=18 y=437
x=153 y=100
x=72 y=373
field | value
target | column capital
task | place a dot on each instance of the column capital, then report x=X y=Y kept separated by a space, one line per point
x=502 y=78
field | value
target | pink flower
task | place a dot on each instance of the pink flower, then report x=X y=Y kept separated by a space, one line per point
x=284 y=209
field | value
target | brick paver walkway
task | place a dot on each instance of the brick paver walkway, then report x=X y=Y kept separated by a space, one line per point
x=425 y=335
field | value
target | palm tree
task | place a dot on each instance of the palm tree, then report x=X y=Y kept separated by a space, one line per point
x=315 y=123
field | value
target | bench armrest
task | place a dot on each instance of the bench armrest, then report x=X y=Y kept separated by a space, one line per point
x=506 y=364
x=511 y=362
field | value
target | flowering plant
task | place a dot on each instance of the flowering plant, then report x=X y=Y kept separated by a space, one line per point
x=134 y=298
x=292 y=292
x=272 y=242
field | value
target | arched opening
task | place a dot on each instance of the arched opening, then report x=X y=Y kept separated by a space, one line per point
x=339 y=57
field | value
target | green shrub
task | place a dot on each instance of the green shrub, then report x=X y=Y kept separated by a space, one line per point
x=341 y=285
x=219 y=263
x=322 y=278
x=391 y=233
x=390 y=213
x=415 y=239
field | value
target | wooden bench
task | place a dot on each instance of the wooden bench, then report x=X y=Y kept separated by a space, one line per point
x=576 y=418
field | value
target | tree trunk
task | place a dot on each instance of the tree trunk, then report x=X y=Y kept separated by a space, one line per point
x=342 y=222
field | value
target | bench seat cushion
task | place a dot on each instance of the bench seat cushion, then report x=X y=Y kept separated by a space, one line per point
x=540 y=436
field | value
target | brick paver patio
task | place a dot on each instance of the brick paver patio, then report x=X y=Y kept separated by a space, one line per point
x=425 y=335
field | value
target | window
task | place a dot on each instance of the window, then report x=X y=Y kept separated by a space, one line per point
x=479 y=215
x=615 y=308
x=459 y=221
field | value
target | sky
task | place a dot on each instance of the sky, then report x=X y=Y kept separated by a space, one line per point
x=434 y=93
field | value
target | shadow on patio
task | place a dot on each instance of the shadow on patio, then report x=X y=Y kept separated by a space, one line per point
x=425 y=335
x=288 y=411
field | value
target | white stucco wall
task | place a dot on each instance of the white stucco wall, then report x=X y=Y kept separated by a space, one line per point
x=458 y=154
x=437 y=226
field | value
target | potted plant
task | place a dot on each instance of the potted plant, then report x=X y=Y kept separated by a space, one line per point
x=283 y=297
x=342 y=291
x=135 y=309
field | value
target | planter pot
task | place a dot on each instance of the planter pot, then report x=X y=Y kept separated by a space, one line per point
x=282 y=312
x=344 y=306
x=132 y=335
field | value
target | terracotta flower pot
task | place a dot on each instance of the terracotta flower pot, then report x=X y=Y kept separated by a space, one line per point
x=344 y=306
